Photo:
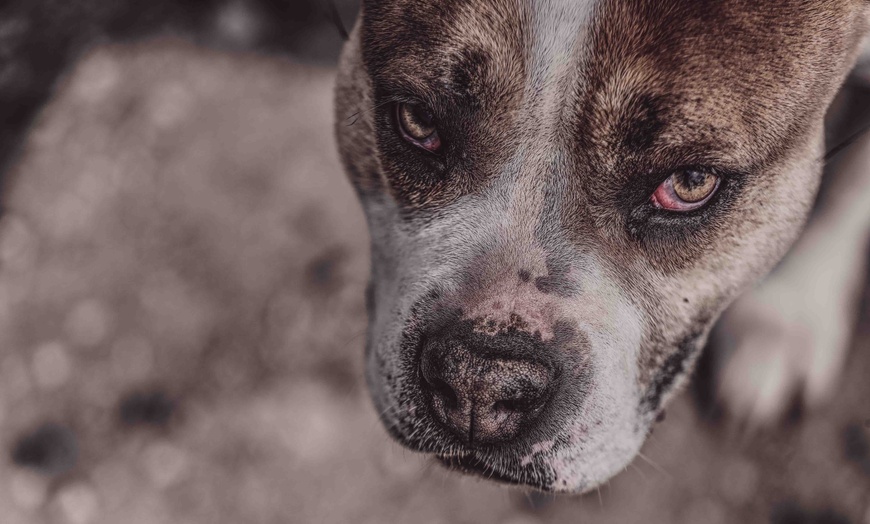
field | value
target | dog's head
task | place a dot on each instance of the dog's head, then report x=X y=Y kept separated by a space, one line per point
x=563 y=195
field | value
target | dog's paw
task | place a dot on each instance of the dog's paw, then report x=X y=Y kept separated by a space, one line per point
x=787 y=339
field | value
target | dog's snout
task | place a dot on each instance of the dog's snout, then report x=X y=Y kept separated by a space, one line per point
x=483 y=397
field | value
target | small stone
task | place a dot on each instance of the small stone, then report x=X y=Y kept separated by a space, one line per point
x=401 y=465
x=739 y=482
x=51 y=365
x=87 y=323
x=15 y=380
x=165 y=464
x=97 y=77
x=50 y=449
x=96 y=386
x=313 y=433
x=521 y=520
x=18 y=244
x=132 y=359
x=705 y=510
x=170 y=104
x=153 y=408
x=29 y=491
x=172 y=309
x=237 y=23
x=79 y=503
x=114 y=483
x=70 y=216
x=98 y=182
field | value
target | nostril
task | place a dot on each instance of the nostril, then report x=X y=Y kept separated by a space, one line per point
x=519 y=405
x=443 y=389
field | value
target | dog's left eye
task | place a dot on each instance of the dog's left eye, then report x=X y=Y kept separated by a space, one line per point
x=685 y=190
x=417 y=125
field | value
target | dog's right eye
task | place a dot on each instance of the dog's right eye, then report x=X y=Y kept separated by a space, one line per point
x=685 y=190
x=417 y=126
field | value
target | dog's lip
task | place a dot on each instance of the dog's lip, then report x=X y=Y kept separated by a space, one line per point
x=470 y=464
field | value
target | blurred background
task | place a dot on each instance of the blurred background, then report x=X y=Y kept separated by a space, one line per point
x=182 y=266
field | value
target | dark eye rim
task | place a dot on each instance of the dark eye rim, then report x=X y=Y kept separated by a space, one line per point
x=432 y=144
x=654 y=226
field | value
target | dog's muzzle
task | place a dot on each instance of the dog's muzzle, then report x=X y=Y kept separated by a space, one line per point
x=485 y=389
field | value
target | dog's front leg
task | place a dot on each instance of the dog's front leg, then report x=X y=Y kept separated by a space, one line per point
x=791 y=334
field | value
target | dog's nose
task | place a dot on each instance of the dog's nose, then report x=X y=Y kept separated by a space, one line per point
x=483 y=397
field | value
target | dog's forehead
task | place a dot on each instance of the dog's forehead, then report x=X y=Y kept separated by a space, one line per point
x=712 y=58
x=420 y=38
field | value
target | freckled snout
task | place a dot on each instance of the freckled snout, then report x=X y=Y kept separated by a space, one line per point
x=485 y=389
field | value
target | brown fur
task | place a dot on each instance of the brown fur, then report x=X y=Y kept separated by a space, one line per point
x=736 y=86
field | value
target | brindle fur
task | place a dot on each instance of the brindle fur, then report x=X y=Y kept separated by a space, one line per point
x=559 y=119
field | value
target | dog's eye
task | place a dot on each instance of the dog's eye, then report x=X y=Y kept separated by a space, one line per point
x=417 y=126
x=685 y=190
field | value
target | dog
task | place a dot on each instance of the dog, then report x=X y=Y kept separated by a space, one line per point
x=563 y=198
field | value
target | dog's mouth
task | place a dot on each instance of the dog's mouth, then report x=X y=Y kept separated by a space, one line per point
x=470 y=464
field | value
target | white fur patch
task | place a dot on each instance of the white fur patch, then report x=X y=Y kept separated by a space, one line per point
x=559 y=29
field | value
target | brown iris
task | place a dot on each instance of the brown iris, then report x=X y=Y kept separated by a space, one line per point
x=694 y=186
x=686 y=190
x=417 y=125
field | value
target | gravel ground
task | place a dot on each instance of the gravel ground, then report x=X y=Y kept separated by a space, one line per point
x=181 y=332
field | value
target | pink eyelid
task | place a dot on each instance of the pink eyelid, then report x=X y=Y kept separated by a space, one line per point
x=431 y=143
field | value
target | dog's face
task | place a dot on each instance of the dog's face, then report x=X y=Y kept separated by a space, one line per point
x=563 y=195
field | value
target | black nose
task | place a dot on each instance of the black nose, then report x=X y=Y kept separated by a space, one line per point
x=484 y=396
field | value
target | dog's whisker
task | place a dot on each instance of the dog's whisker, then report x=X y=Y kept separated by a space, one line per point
x=353 y=338
x=389 y=100
x=655 y=465
x=528 y=497
x=640 y=471
x=335 y=18
x=847 y=142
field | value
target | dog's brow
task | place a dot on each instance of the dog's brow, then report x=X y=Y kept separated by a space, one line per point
x=642 y=121
x=471 y=64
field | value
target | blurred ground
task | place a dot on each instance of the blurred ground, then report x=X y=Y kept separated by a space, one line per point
x=181 y=332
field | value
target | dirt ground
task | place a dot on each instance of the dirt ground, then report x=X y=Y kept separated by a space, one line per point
x=181 y=333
